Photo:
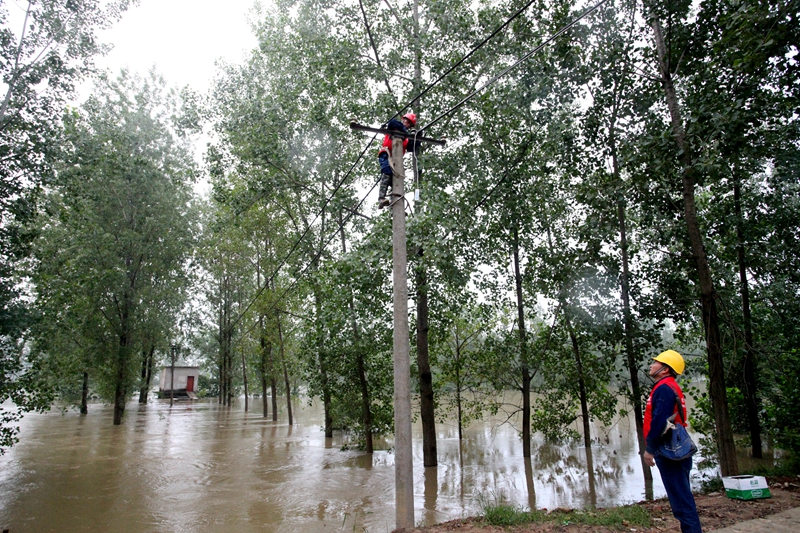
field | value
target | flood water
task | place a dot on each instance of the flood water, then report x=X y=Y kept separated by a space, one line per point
x=201 y=467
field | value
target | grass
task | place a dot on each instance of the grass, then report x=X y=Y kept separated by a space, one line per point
x=509 y=515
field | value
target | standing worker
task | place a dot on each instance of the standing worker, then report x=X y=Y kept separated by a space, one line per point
x=666 y=399
x=407 y=122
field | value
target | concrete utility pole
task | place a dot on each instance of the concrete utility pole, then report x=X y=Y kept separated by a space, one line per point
x=403 y=465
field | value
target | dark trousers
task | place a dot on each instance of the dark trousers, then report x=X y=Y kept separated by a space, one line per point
x=386 y=175
x=675 y=475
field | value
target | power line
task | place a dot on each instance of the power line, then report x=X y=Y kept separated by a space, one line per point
x=509 y=69
x=305 y=232
x=308 y=265
x=471 y=52
x=446 y=113
x=417 y=97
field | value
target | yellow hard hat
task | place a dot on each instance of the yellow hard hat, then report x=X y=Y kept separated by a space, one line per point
x=672 y=359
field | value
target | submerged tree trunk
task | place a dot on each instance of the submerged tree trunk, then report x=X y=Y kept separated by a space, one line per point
x=274 y=389
x=229 y=364
x=627 y=318
x=427 y=407
x=366 y=403
x=523 y=348
x=285 y=370
x=264 y=369
x=147 y=368
x=750 y=382
x=85 y=394
x=716 y=370
x=630 y=355
x=426 y=403
x=323 y=371
x=264 y=397
x=582 y=394
x=326 y=397
x=119 y=388
x=244 y=380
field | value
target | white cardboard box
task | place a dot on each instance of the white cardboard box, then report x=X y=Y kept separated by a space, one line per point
x=746 y=487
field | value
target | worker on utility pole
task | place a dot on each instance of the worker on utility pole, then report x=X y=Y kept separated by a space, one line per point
x=408 y=121
x=396 y=143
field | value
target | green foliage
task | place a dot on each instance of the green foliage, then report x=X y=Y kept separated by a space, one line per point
x=23 y=388
x=713 y=484
x=504 y=515
x=44 y=53
x=465 y=365
x=116 y=239
x=782 y=408
x=561 y=372
x=701 y=420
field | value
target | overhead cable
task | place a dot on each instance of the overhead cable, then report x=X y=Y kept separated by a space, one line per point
x=268 y=280
x=517 y=63
x=471 y=52
x=448 y=112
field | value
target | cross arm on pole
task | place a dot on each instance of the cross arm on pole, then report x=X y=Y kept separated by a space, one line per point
x=356 y=126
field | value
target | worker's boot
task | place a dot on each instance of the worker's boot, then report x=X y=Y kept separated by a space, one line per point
x=382 y=200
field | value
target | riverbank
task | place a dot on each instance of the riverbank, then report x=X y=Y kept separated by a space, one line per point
x=716 y=511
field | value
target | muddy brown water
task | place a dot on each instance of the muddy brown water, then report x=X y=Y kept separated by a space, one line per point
x=201 y=467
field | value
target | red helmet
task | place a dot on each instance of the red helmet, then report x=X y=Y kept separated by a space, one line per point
x=411 y=117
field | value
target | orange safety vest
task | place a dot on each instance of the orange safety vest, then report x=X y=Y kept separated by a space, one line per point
x=648 y=410
x=387 y=145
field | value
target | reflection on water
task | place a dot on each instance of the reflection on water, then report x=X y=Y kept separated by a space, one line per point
x=205 y=467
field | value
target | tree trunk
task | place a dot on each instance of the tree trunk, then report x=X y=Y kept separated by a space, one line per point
x=229 y=359
x=244 y=380
x=630 y=355
x=458 y=388
x=323 y=371
x=228 y=364
x=427 y=408
x=85 y=394
x=285 y=370
x=119 y=401
x=264 y=367
x=750 y=382
x=150 y=364
x=221 y=365
x=326 y=398
x=119 y=388
x=583 y=397
x=427 y=414
x=144 y=384
x=147 y=375
x=523 y=348
x=716 y=371
x=274 y=388
x=366 y=404
x=264 y=398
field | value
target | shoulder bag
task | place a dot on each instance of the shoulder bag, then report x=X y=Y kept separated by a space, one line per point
x=678 y=445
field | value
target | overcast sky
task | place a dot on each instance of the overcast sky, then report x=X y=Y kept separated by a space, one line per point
x=182 y=38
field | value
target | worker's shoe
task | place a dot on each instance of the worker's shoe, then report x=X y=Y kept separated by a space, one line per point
x=383 y=202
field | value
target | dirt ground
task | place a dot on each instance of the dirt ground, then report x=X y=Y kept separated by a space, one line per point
x=716 y=511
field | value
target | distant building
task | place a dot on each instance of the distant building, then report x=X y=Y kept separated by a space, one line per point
x=187 y=378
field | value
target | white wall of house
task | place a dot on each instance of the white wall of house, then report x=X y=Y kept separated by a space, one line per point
x=182 y=375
